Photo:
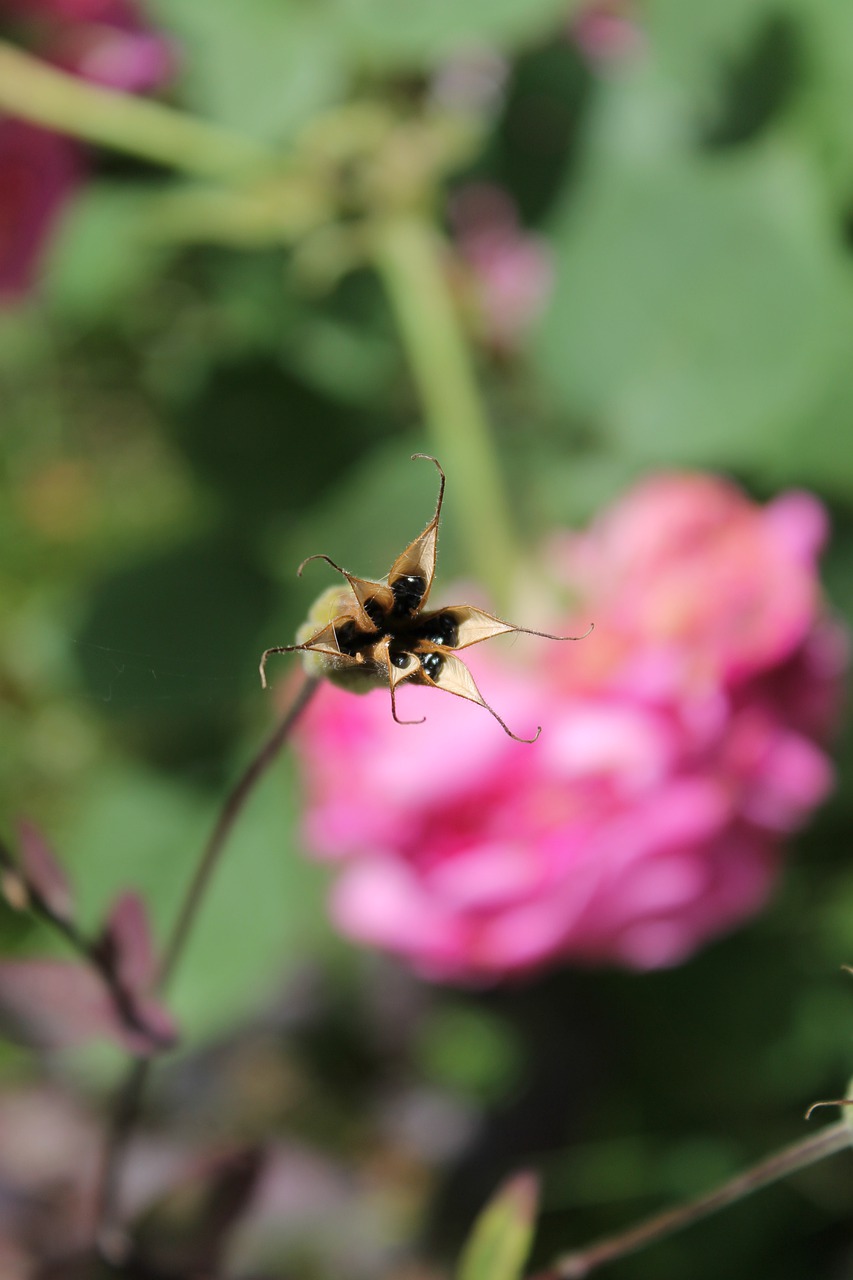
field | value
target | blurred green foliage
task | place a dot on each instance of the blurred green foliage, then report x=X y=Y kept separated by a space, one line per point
x=184 y=421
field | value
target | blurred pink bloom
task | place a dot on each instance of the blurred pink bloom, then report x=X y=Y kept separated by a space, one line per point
x=473 y=80
x=104 y=41
x=606 y=32
x=50 y=1004
x=511 y=273
x=680 y=742
x=38 y=172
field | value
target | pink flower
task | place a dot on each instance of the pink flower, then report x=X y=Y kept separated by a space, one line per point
x=104 y=41
x=38 y=172
x=606 y=32
x=681 y=742
x=510 y=269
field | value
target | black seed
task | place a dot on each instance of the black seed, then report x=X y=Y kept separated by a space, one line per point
x=374 y=611
x=350 y=639
x=408 y=592
x=432 y=663
x=442 y=629
x=399 y=657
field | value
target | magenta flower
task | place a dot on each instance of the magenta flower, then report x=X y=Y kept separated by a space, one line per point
x=607 y=32
x=104 y=41
x=38 y=172
x=681 y=742
x=510 y=270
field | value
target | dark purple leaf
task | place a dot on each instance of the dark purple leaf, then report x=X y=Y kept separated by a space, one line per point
x=50 y=1004
x=126 y=943
x=153 y=1020
x=44 y=876
x=125 y=956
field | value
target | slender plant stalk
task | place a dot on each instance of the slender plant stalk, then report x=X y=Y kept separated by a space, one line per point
x=151 y=131
x=110 y=1240
x=234 y=803
x=129 y=1098
x=583 y=1262
x=408 y=255
x=273 y=212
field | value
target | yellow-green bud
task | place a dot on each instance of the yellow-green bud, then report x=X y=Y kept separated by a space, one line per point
x=335 y=602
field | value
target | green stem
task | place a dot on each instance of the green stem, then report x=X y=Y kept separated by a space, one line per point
x=46 y=96
x=246 y=217
x=408 y=254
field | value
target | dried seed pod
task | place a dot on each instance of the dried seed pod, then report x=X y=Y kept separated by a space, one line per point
x=377 y=632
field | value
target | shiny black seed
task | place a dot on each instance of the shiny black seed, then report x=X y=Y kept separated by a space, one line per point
x=350 y=639
x=442 y=629
x=374 y=611
x=399 y=657
x=432 y=664
x=408 y=592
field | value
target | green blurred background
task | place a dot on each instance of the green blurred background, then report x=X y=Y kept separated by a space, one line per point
x=186 y=414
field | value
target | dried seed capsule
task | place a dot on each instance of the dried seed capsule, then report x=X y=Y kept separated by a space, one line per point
x=371 y=632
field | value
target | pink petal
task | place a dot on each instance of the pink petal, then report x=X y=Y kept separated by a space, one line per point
x=40 y=171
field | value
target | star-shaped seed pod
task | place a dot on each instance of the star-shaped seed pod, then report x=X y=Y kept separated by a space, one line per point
x=368 y=633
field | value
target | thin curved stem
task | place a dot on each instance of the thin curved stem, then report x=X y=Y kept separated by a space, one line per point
x=231 y=809
x=583 y=1262
x=129 y=1098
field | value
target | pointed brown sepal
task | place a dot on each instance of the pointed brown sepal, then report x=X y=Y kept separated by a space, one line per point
x=827 y=1102
x=397 y=674
x=372 y=599
x=324 y=640
x=418 y=559
x=475 y=625
x=454 y=677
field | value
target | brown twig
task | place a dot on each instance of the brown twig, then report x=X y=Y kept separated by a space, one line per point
x=129 y=1097
x=582 y=1262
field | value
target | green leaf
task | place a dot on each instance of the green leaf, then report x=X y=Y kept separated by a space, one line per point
x=500 y=1239
x=466 y=1049
x=262 y=916
x=697 y=44
x=809 y=448
x=701 y=47
x=825 y=107
x=262 y=920
x=263 y=66
x=412 y=32
x=101 y=254
x=700 y=302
